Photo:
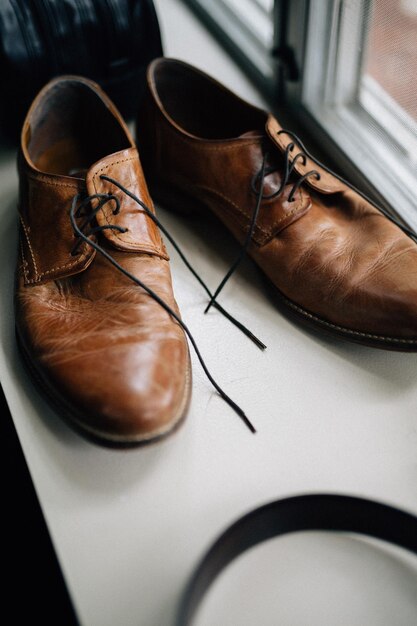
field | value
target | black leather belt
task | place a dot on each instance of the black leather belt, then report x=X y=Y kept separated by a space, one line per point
x=309 y=512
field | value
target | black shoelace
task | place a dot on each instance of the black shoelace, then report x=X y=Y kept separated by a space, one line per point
x=218 y=306
x=381 y=209
x=81 y=207
x=259 y=179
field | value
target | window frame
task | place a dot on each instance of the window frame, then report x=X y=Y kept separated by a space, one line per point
x=327 y=93
x=339 y=101
x=256 y=59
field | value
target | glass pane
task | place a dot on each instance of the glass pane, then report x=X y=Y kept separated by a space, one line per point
x=256 y=16
x=266 y=5
x=246 y=28
x=391 y=58
x=364 y=53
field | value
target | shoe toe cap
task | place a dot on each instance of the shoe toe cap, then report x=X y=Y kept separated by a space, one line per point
x=125 y=393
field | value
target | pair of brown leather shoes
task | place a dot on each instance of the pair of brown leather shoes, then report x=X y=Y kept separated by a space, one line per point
x=96 y=317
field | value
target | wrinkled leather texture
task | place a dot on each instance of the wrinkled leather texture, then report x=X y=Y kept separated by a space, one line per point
x=219 y=175
x=142 y=234
x=334 y=257
x=112 y=360
x=326 y=183
x=42 y=261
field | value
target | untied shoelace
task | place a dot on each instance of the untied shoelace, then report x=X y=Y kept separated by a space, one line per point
x=79 y=208
x=81 y=203
x=289 y=165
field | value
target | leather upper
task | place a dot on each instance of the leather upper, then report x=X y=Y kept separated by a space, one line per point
x=142 y=234
x=326 y=184
x=331 y=253
x=110 y=356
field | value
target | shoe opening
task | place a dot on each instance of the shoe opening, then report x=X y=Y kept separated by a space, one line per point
x=64 y=132
x=200 y=105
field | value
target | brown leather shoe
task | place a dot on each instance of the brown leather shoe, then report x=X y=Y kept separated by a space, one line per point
x=338 y=263
x=107 y=354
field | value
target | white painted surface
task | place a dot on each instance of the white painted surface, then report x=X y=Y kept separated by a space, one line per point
x=129 y=526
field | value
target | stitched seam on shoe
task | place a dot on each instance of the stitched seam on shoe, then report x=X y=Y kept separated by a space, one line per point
x=38 y=274
x=24 y=262
x=348 y=330
x=129 y=240
x=201 y=143
x=50 y=183
x=332 y=187
x=234 y=146
x=237 y=144
x=248 y=215
x=102 y=169
x=32 y=254
x=220 y=148
x=239 y=210
x=80 y=259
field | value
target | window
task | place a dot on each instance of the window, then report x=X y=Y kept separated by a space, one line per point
x=246 y=28
x=355 y=87
x=348 y=67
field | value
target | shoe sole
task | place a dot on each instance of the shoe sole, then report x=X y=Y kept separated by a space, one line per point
x=75 y=419
x=181 y=203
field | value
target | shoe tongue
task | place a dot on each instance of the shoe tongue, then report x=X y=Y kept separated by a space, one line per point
x=142 y=234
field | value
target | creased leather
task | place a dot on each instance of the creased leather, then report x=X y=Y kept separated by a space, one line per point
x=112 y=360
x=219 y=173
x=340 y=264
x=43 y=211
x=326 y=184
x=142 y=234
x=107 y=347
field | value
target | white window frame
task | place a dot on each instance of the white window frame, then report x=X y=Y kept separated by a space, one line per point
x=373 y=139
x=246 y=30
x=315 y=66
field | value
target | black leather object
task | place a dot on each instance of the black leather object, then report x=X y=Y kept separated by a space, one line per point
x=327 y=512
x=109 y=41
